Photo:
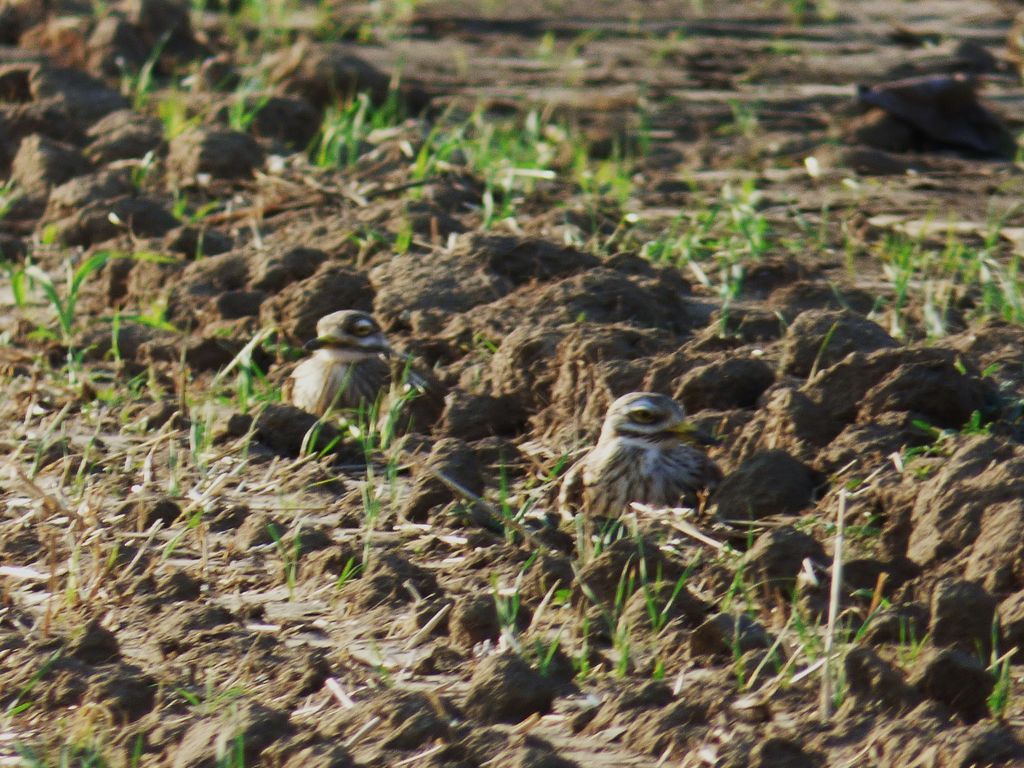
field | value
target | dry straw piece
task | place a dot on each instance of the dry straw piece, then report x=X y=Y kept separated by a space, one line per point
x=825 y=706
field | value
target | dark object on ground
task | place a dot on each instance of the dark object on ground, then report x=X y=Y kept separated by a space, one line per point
x=944 y=112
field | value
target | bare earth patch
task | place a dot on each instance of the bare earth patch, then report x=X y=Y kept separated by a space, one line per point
x=545 y=208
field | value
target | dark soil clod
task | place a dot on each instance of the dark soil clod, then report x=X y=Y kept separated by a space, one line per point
x=504 y=688
x=768 y=483
x=96 y=645
x=956 y=679
x=545 y=206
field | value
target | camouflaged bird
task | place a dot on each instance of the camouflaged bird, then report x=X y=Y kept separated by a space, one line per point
x=353 y=366
x=645 y=453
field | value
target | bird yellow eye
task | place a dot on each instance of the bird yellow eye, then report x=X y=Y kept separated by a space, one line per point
x=362 y=328
x=642 y=416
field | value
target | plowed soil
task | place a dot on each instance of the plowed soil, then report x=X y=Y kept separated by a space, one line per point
x=678 y=197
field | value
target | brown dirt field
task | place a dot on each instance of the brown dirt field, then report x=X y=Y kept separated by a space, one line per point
x=559 y=203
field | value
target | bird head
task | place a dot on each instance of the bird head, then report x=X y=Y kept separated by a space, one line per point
x=649 y=416
x=351 y=332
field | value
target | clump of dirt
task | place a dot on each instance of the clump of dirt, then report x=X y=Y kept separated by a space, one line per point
x=777 y=556
x=726 y=633
x=504 y=688
x=254 y=727
x=733 y=383
x=450 y=473
x=394 y=580
x=768 y=483
x=956 y=679
x=623 y=563
x=818 y=339
x=311 y=294
x=966 y=513
x=477 y=271
x=595 y=365
x=288 y=430
x=652 y=719
x=929 y=383
x=875 y=684
x=790 y=421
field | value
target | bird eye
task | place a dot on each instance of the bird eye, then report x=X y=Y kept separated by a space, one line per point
x=642 y=416
x=362 y=328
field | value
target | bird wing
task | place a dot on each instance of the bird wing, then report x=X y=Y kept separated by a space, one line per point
x=405 y=372
x=420 y=393
x=305 y=386
x=570 y=494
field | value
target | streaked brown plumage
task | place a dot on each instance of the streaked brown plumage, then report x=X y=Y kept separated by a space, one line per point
x=642 y=455
x=352 y=367
x=347 y=368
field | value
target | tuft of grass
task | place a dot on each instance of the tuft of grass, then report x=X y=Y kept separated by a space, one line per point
x=21 y=702
x=545 y=653
x=581 y=661
x=515 y=507
x=507 y=603
x=9 y=195
x=210 y=700
x=511 y=157
x=68 y=755
x=343 y=135
x=999 y=666
x=173 y=111
x=909 y=647
x=717 y=242
x=621 y=630
x=745 y=122
x=957 y=278
x=65 y=302
x=139 y=86
x=243 y=109
x=659 y=616
x=289 y=553
x=349 y=572
x=64 y=298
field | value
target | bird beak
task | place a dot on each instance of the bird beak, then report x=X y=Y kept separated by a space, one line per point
x=318 y=343
x=684 y=429
x=689 y=432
